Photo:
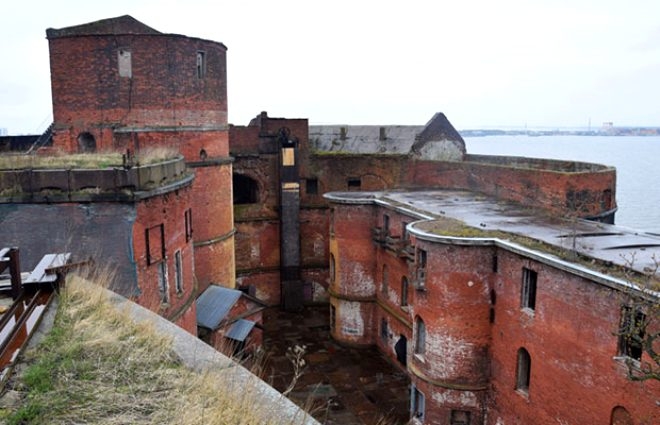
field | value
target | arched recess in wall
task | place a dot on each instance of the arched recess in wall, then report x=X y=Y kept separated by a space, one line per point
x=523 y=369
x=86 y=142
x=246 y=189
x=620 y=416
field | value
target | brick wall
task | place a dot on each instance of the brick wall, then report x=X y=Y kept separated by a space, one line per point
x=89 y=95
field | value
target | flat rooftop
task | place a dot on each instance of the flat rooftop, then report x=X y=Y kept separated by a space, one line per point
x=608 y=244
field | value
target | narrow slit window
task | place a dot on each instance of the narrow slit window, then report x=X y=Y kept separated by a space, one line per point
x=528 y=293
x=201 y=65
x=417 y=403
x=163 y=286
x=178 y=272
x=420 y=336
x=187 y=217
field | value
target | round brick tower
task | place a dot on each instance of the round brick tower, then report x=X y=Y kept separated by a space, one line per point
x=118 y=84
x=451 y=328
x=352 y=286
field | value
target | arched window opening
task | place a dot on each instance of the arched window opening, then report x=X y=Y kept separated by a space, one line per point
x=620 y=416
x=420 y=336
x=246 y=190
x=86 y=142
x=523 y=370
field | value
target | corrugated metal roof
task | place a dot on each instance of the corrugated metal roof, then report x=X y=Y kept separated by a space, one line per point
x=240 y=329
x=214 y=305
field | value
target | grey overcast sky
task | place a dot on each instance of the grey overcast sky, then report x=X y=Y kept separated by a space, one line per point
x=484 y=63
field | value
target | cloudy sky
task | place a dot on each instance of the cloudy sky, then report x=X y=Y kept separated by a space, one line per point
x=484 y=63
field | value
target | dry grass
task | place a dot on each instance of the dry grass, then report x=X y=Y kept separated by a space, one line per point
x=84 y=160
x=98 y=366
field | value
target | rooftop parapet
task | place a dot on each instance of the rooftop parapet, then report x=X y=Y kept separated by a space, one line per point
x=114 y=183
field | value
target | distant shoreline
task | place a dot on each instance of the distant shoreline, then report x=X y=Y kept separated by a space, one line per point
x=605 y=131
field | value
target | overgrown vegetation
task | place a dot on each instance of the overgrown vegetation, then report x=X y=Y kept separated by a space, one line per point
x=85 y=160
x=98 y=366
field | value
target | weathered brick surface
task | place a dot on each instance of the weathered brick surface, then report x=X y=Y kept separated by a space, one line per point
x=164 y=89
x=168 y=210
x=471 y=308
x=572 y=342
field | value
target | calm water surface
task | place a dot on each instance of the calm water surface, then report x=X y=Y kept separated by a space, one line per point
x=635 y=159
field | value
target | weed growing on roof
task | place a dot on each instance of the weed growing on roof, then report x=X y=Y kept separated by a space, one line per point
x=98 y=366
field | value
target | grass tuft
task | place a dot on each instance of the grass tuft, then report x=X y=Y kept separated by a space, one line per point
x=98 y=366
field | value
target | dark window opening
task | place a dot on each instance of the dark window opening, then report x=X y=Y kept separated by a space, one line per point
x=201 y=65
x=384 y=330
x=385 y=280
x=495 y=264
x=246 y=190
x=460 y=417
x=632 y=332
x=528 y=293
x=312 y=186
x=354 y=183
x=86 y=142
x=178 y=272
x=187 y=218
x=523 y=369
x=386 y=224
x=401 y=350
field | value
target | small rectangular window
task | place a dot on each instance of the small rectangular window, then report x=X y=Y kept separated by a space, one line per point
x=384 y=330
x=201 y=64
x=312 y=186
x=528 y=293
x=632 y=332
x=386 y=224
x=354 y=183
x=155 y=244
x=178 y=272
